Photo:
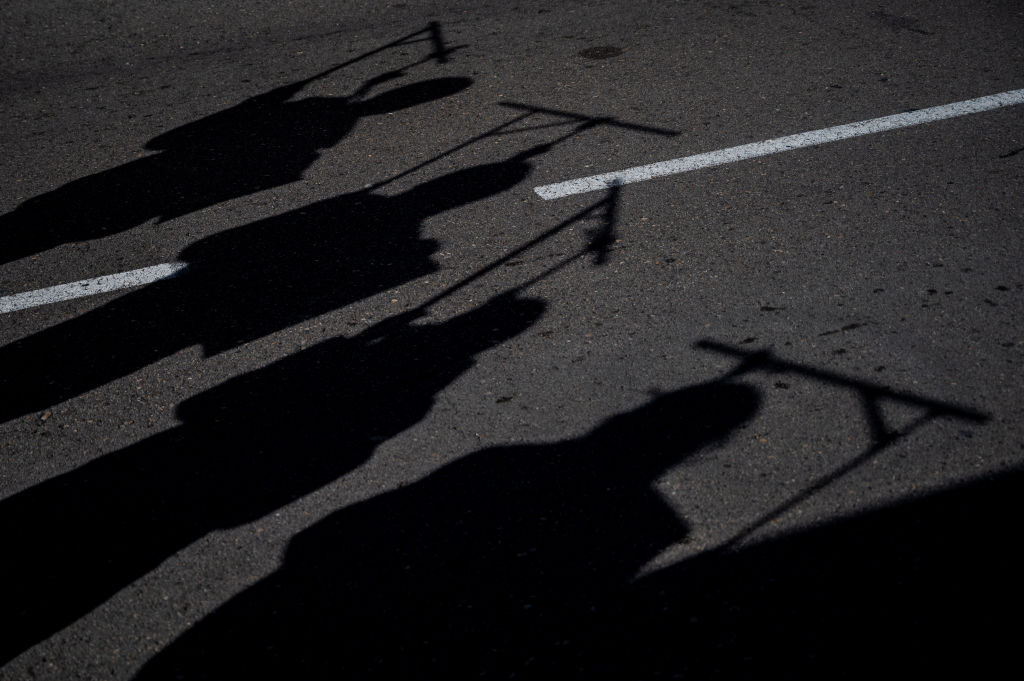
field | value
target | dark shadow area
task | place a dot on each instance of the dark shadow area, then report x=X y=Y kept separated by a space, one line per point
x=264 y=439
x=518 y=563
x=247 y=282
x=265 y=141
x=502 y=564
x=258 y=441
x=246 y=448
x=522 y=562
x=926 y=588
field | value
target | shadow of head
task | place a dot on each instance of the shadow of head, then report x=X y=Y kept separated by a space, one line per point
x=412 y=95
x=673 y=426
x=465 y=186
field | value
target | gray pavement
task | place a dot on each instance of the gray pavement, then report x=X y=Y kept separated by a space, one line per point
x=400 y=416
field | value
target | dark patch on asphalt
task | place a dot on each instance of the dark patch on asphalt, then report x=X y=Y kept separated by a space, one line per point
x=742 y=10
x=898 y=23
x=769 y=308
x=600 y=52
x=848 y=327
x=1012 y=153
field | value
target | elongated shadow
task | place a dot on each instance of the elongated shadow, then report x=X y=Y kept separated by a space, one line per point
x=490 y=566
x=265 y=141
x=261 y=440
x=246 y=448
x=523 y=562
x=247 y=282
x=256 y=279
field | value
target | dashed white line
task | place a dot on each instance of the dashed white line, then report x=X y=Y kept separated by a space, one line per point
x=89 y=287
x=773 y=146
x=148 y=275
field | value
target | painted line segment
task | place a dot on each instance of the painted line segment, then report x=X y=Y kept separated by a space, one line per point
x=148 y=275
x=89 y=287
x=779 y=144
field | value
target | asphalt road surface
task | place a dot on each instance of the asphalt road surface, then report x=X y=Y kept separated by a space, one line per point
x=345 y=397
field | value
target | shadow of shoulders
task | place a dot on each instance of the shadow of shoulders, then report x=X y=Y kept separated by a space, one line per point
x=520 y=562
x=266 y=141
x=497 y=564
x=246 y=448
x=247 y=282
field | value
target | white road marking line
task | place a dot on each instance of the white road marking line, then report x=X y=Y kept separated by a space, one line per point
x=148 y=275
x=773 y=146
x=89 y=287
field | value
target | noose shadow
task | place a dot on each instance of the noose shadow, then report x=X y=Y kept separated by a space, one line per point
x=266 y=141
x=871 y=396
x=494 y=566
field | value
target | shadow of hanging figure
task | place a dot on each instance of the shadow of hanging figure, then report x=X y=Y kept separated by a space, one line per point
x=496 y=566
x=266 y=141
x=248 y=282
x=246 y=448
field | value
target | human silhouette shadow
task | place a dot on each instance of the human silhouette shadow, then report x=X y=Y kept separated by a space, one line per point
x=245 y=448
x=514 y=563
x=492 y=567
x=247 y=282
x=265 y=141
